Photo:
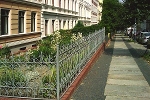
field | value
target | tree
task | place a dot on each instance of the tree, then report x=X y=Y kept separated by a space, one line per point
x=118 y=16
x=112 y=15
x=136 y=9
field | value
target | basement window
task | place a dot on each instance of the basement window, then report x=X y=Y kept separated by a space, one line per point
x=23 y=48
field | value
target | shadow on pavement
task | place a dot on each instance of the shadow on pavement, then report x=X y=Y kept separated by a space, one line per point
x=142 y=64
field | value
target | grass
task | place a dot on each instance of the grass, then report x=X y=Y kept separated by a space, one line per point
x=146 y=56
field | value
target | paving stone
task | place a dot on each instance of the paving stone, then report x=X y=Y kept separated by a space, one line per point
x=125 y=98
x=126 y=77
x=123 y=66
x=127 y=88
x=127 y=94
x=127 y=82
x=120 y=68
x=118 y=60
x=127 y=72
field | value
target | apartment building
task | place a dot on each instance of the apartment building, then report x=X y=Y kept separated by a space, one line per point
x=100 y=10
x=84 y=12
x=20 y=24
x=64 y=14
x=23 y=22
x=94 y=12
x=58 y=14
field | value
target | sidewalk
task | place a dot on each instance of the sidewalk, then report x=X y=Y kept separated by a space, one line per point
x=119 y=74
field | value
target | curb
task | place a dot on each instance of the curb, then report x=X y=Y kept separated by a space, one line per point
x=67 y=95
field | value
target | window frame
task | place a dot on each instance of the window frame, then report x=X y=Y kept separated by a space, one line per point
x=46 y=2
x=52 y=2
x=4 y=21
x=64 y=3
x=68 y=4
x=21 y=21
x=59 y=3
x=33 y=21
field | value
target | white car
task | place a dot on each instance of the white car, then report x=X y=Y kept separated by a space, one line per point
x=144 y=36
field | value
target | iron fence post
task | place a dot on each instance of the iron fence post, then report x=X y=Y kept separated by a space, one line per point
x=88 y=45
x=57 y=72
x=103 y=30
x=95 y=41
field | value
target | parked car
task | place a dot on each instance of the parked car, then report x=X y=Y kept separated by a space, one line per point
x=148 y=43
x=137 y=37
x=143 y=37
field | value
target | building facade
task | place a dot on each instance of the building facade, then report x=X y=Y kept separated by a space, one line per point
x=100 y=10
x=58 y=14
x=20 y=24
x=64 y=14
x=23 y=22
x=95 y=12
x=84 y=12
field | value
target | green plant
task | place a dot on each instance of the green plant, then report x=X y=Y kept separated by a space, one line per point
x=46 y=47
x=5 y=51
x=146 y=56
x=11 y=77
x=85 y=30
x=50 y=78
x=65 y=37
x=49 y=81
x=79 y=24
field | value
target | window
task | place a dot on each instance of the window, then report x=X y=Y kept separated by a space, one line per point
x=75 y=5
x=23 y=48
x=64 y=3
x=60 y=3
x=72 y=4
x=68 y=24
x=33 y=21
x=46 y=1
x=59 y=24
x=4 y=21
x=68 y=4
x=46 y=27
x=21 y=21
x=64 y=23
x=53 y=2
x=53 y=22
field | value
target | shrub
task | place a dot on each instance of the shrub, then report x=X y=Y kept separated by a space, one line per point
x=65 y=36
x=5 y=51
x=79 y=24
x=47 y=46
x=85 y=30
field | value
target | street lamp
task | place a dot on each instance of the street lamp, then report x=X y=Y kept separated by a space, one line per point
x=135 y=31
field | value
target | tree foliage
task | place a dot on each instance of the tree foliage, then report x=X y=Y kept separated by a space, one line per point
x=118 y=16
x=136 y=9
x=112 y=15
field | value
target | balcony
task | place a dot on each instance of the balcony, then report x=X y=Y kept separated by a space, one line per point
x=58 y=11
x=29 y=2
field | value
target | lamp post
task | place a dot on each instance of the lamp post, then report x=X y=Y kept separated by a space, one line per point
x=136 y=20
x=135 y=31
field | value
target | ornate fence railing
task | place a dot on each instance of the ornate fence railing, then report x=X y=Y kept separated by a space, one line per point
x=43 y=78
